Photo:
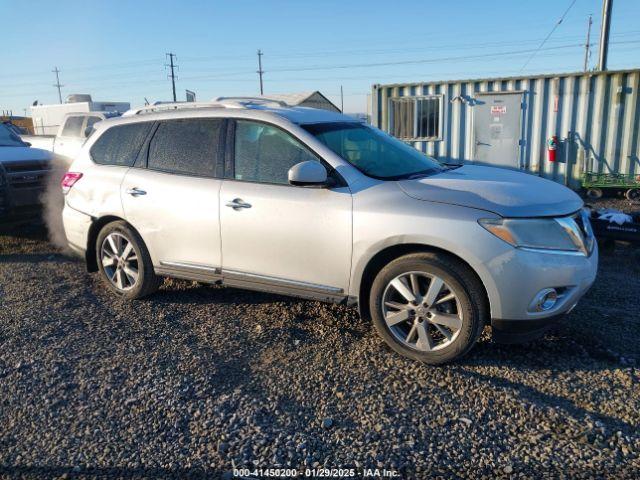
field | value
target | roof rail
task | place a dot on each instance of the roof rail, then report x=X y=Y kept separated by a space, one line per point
x=246 y=101
x=161 y=107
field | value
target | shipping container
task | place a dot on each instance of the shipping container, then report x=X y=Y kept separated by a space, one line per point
x=511 y=122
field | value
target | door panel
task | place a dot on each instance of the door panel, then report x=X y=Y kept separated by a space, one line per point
x=177 y=216
x=288 y=233
x=174 y=202
x=496 y=123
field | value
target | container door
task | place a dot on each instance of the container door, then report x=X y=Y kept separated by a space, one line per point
x=496 y=125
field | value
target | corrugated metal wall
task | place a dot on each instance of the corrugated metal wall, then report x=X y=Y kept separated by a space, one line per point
x=597 y=120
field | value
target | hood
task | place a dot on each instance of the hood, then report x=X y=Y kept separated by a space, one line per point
x=505 y=192
x=20 y=154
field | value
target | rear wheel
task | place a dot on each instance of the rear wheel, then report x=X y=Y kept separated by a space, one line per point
x=428 y=307
x=124 y=262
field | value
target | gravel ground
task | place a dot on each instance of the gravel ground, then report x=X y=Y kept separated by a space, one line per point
x=197 y=380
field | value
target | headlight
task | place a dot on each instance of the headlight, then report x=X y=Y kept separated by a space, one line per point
x=536 y=233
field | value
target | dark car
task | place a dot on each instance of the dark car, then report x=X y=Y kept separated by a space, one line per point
x=23 y=172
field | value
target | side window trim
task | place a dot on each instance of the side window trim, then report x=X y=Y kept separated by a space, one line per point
x=230 y=150
x=142 y=159
x=229 y=170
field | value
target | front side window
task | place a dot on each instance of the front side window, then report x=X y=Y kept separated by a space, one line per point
x=415 y=118
x=372 y=151
x=72 y=127
x=120 y=145
x=187 y=146
x=265 y=154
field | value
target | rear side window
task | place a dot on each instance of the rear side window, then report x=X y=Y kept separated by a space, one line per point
x=187 y=146
x=265 y=154
x=120 y=145
x=72 y=127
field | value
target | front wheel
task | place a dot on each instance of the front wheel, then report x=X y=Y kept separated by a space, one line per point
x=429 y=307
x=124 y=262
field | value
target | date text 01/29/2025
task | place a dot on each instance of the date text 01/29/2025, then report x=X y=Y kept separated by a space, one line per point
x=315 y=473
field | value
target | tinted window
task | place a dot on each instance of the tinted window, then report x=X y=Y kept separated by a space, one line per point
x=265 y=154
x=120 y=145
x=72 y=127
x=189 y=146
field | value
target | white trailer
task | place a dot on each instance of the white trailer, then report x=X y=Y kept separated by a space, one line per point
x=47 y=119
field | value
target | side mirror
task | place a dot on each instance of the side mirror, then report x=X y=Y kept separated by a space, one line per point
x=308 y=174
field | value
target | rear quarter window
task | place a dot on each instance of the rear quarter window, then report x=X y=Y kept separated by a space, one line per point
x=120 y=144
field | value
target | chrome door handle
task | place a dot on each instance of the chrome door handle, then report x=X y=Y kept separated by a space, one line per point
x=135 y=192
x=237 y=204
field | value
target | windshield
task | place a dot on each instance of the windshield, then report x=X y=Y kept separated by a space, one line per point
x=9 y=139
x=374 y=152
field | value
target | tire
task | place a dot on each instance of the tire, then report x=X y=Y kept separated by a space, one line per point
x=435 y=343
x=119 y=274
x=594 y=193
x=633 y=194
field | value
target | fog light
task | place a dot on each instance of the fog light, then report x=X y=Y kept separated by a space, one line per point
x=545 y=300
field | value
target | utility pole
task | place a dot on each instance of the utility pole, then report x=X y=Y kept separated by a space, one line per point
x=604 y=34
x=588 y=44
x=341 y=100
x=260 y=71
x=172 y=75
x=57 y=84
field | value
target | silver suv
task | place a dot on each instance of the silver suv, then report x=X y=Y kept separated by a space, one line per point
x=315 y=204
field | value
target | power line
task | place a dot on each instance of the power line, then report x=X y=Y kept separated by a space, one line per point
x=57 y=84
x=172 y=75
x=550 y=33
x=416 y=62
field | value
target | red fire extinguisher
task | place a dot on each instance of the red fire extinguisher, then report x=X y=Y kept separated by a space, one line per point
x=552 y=146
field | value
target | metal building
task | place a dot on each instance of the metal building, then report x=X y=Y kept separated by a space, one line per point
x=508 y=122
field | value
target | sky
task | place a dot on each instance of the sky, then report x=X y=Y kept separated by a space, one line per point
x=115 y=50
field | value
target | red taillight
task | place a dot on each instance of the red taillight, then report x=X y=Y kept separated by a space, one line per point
x=69 y=180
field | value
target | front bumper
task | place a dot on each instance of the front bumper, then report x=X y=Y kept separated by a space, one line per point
x=517 y=276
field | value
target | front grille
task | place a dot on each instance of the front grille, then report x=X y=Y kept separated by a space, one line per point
x=27 y=174
x=26 y=166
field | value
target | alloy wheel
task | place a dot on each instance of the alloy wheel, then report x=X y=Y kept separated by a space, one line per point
x=422 y=311
x=120 y=261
